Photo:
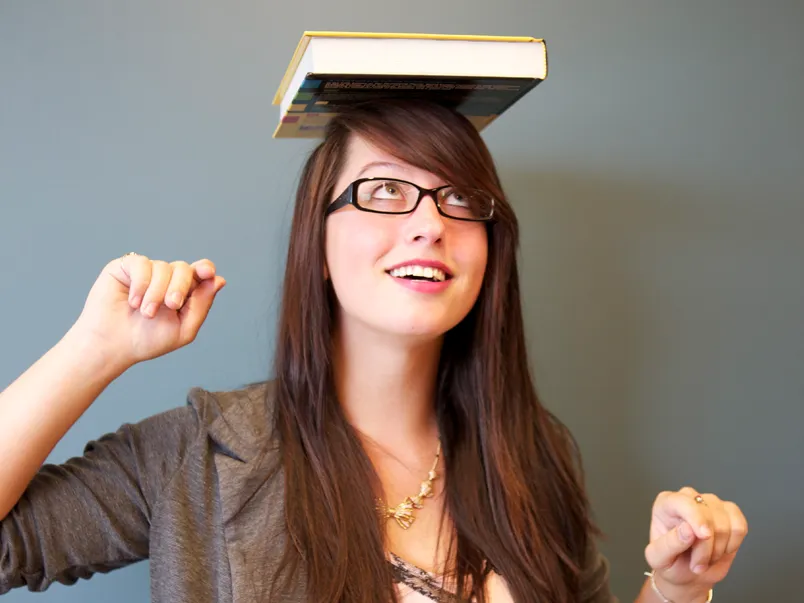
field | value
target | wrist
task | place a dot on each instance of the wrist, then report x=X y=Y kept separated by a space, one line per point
x=93 y=354
x=681 y=593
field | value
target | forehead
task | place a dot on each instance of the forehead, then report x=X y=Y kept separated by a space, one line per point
x=361 y=153
x=365 y=159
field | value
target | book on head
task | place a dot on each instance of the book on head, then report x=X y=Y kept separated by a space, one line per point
x=478 y=76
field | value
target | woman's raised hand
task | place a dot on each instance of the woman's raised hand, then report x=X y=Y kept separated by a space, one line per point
x=139 y=309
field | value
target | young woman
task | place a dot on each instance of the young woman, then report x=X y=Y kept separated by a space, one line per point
x=399 y=451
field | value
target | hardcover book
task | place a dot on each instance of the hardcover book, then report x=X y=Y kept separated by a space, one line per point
x=479 y=76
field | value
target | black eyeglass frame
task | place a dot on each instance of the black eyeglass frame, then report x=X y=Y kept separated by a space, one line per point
x=349 y=197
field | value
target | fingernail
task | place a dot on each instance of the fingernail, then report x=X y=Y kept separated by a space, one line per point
x=136 y=301
x=684 y=532
x=699 y=569
x=150 y=310
x=176 y=298
x=705 y=531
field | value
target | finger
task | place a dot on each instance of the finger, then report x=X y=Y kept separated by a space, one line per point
x=701 y=555
x=662 y=552
x=161 y=273
x=675 y=507
x=138 y=270
x=689 y=491
x=204 y=269
x=739 y=527
x=722 y=526
x=181 y=282
x=197 y=307
x=702 y=550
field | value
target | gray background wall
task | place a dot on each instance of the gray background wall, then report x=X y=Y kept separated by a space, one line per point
x=657 y=174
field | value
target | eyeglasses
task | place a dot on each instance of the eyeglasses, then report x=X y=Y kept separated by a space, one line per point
x=392 y=196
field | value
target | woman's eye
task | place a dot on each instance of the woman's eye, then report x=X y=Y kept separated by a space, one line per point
x=387 y=190
x=456 y=198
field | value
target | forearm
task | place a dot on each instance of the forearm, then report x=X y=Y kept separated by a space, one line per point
x=39 y=407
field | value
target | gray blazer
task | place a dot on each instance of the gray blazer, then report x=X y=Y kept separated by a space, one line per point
x=197 y=489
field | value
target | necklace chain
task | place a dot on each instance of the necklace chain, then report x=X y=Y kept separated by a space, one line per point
x=403 y=513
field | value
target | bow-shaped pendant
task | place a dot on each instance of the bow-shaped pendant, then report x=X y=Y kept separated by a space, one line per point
x=403 y=513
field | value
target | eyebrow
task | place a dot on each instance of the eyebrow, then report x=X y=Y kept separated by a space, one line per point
x=382 y=164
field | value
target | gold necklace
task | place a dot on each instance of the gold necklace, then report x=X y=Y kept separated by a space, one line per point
x=403 y=512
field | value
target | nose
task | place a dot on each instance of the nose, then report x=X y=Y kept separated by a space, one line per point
x=425 y=223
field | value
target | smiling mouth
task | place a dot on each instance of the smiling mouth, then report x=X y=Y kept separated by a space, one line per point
x=420 y=273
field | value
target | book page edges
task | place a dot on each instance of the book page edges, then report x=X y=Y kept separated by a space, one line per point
x=301 y=47
x=289 y=131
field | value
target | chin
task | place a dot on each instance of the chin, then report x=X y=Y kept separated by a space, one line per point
x=406 y=320
x=420 y=327
x=421 y=333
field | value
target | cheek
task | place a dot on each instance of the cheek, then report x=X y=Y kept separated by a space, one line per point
x=352 y=251
x=472 y=257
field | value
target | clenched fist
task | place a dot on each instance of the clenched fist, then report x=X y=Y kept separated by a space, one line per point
x=139 y=309
x=694 y=539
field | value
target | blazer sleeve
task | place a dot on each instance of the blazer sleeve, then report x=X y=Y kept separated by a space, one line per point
x=93 y=513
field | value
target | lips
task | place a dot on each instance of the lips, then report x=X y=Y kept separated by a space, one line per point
x=423 y=263
x=423 y=285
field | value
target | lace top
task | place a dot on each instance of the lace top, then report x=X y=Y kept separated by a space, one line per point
x=416 y=585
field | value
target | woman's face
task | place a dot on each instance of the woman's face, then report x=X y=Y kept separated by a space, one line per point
x=363 y=248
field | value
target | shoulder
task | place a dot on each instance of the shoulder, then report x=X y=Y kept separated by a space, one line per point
x=239 y=421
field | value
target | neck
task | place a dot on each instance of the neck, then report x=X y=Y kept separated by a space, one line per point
x=387 y=386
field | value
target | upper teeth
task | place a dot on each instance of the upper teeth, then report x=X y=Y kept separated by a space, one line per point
x=425 y=271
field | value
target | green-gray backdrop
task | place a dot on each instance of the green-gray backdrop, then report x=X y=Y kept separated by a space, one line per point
x=657 y=174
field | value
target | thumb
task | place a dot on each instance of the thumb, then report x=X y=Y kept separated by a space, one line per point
x=196 y=308
x=662 y=552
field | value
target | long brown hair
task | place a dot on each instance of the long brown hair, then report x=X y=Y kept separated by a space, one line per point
x=513 y=484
